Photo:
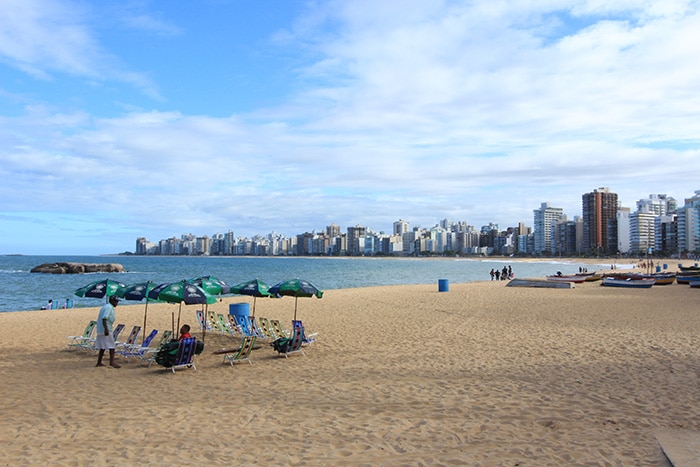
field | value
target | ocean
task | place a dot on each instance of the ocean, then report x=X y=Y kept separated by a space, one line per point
x=21 y=290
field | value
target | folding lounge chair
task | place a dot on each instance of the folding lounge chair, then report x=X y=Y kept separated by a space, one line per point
x=243 y=325
x=307 y=339
x=130 y=340
x=277 y=328
x=226 y=328
x=266 y=328
x=257 y=330
x=136 y=350
x=150 y=354
x=291 y=345
x=243 y=353
x=115 y=335
x=79 y=341
x=185 y=354
x=203 y=322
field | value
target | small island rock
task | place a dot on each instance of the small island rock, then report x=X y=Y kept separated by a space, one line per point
x=77 y=268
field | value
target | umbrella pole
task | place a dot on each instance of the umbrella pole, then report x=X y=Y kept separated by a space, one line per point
x=172 y=318
x=254 y=298
x=206 y=317
x=145 y=314
x=295 y=309
x=179 y=311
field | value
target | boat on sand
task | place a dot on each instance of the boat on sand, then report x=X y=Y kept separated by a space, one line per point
x=562 y=278
x=629 y=282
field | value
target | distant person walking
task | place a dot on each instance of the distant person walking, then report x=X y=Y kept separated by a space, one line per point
x=498 y=274
x=493 y=273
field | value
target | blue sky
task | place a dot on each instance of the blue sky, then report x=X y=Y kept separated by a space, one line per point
x=121 y=119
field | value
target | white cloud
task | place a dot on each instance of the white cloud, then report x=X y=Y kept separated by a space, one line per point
x=475 y=111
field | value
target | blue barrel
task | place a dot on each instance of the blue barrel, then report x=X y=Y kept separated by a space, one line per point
x=443 y=285
x=239 y=309
x=658 y=268
x=665 y=266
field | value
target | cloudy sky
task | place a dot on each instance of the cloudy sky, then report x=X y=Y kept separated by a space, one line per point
x=131 y=118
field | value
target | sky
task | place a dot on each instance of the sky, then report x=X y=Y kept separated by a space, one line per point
x=134 y=118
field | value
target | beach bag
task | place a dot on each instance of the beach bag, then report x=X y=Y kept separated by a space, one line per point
x=167 y=354
x=199 y=347
x=281 y=345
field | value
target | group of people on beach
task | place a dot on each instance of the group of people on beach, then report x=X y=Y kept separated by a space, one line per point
x=505 y=274
x=51 y=305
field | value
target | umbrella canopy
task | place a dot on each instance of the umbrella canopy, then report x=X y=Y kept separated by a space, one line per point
x=296 y=288
x=100 y=289
x=211 y=285
x=183 y=292
x=254 y=288
x=138 y=292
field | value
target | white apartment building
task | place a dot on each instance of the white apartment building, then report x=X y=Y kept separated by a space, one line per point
x=545 y=218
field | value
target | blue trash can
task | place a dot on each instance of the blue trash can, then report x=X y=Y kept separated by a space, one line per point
x=443 y=285
x=241 y=313
x=658 y=268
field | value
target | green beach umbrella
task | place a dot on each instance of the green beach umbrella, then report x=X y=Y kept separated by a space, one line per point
x=296 y=288
x=138 y=292
x=254 y=288
x=187 y=293
x=104 y=288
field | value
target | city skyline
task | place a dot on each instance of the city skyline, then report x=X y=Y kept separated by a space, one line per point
x=151 y=118
x=604 y=227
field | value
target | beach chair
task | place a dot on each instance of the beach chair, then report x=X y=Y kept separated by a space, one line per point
x=150 y=354
x=243 y=325
x=115 y=335
x=290 y=345
x=135 y=350
x=277 y=329
x=130 y=340
x=185 y=354
x=85 y=337
x=243 y=353
x=307 y=338
x=226 y=327
x=266 y=328
x=203 y=323
x=257 y=330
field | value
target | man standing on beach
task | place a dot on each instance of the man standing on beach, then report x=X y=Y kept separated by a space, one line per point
x=105 y=339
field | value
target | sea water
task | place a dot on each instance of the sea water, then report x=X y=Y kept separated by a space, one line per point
x=21 y=290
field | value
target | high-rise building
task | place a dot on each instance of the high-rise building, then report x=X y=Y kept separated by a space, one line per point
x=623 y=230
x=401 y=227
x=333 y=230
x=356 y=236
x=641 y=231
x=545 y=219
x=599 y=210
x=689 y=225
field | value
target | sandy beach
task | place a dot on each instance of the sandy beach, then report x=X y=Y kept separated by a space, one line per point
x=483 y=374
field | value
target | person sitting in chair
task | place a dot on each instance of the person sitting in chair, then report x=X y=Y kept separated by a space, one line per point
x=184 y=332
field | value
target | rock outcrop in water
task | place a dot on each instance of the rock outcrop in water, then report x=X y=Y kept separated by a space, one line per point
x=77 y=268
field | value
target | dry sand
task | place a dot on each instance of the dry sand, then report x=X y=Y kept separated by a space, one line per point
x=481 y=375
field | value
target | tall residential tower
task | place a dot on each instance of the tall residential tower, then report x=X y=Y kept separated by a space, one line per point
x=599 y=222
